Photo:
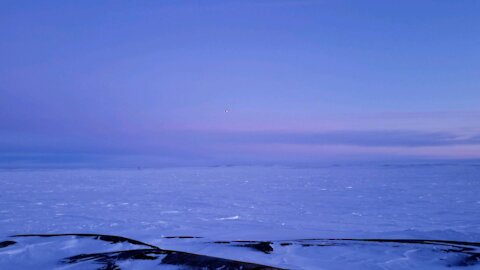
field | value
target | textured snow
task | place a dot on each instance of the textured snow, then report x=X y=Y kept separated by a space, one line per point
x=436 y=201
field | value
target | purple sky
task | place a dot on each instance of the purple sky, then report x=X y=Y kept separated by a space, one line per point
x=239 y=81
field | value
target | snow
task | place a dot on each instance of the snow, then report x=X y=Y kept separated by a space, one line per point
x=418 y=201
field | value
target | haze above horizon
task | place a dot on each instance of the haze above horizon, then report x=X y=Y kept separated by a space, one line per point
x=239 y=81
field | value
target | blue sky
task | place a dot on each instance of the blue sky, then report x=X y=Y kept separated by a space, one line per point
x=240 y=81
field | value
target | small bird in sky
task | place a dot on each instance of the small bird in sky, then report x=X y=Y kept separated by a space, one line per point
x=227 y=110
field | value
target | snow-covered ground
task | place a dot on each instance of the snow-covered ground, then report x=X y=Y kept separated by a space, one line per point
x=439 y=201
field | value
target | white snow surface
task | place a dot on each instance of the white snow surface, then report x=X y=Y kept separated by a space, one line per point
x=436 y=201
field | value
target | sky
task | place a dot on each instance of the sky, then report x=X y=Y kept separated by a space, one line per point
x=220 y=81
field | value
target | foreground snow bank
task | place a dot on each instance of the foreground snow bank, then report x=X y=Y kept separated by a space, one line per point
x=90 y=251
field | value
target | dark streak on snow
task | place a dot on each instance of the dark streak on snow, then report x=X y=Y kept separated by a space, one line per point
x=262 y=246
x=181 y=237
x=7 y=243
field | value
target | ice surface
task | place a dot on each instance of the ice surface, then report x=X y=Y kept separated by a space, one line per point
x=439 y=201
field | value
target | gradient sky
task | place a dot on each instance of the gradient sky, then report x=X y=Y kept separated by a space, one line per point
x=239 y=81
